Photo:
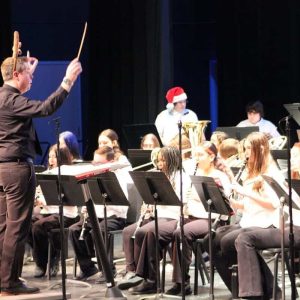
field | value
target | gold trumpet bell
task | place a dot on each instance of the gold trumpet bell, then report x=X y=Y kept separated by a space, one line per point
x=195 y=131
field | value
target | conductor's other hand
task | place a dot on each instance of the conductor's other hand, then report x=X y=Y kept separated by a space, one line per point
x=73 y=70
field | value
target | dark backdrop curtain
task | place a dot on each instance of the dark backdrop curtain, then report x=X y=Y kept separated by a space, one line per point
x=125 y=84
x=5 y=32
x=258 y=57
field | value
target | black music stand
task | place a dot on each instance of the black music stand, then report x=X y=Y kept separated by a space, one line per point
x=282 y=194
x=156 y=189
x=106 y=190
x=213 y=202
x=79 y=191
x=134 y=133
x=294 y=112
x=140 y=159
x=236 y=132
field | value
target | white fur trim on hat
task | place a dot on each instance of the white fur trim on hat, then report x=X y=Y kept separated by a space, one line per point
x=180 y=97
x=170 y=106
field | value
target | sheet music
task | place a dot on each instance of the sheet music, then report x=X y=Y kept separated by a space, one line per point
x=83 y=171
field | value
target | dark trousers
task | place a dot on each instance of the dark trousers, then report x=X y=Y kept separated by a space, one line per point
x=17 y=190
x=84 y=248
x=145 y=246
x=129 y=245
x=224 y=253
x=255 y=277
x=41 y=226
x=193 y=229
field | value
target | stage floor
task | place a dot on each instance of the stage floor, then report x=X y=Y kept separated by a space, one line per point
x=97 y=291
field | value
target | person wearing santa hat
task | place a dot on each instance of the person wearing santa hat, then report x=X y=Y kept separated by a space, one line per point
x=167 y=121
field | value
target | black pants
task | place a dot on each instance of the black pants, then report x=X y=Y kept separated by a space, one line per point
x=84 y=249
x=41 y=226
x=17 y=190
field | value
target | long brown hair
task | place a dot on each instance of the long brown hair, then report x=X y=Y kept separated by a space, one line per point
x=260 y=156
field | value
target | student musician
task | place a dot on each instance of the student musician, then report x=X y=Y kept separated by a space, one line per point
x=116 y=217
x=259 y=205
x=48 y=218
x=149 y=142
x=196 y=223
x=109 y=137
x=140 y=251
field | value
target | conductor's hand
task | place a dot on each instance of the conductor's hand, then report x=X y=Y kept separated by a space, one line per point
x=72 y=72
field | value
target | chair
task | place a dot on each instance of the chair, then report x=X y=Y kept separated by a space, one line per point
x=51 y=233
x=199 y=265
x=277 y=254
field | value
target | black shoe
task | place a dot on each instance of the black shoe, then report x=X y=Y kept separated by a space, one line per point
x=85 y=275
x=39 y=272
x=176 y=289
x=146 y=287
x=102 y=278
x=18 y=290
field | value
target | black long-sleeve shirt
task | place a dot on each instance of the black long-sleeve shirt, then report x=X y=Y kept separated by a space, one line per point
x=17 y=133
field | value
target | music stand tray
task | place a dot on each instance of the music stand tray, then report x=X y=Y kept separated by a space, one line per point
x=138 y=157
x=294 y=110
x=280 y=192
x=150 y=183
x=71 y=190
x=238 y=133
x=207 y=189
x=134 y=133
x=107 y=185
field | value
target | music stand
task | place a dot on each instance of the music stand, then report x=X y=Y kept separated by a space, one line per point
x=156 y=189
x=238 y=133
x=294 y=112
x=140 y=158
x=134 y=133
x=106 y=190
x=213 y=202
x=80 y=189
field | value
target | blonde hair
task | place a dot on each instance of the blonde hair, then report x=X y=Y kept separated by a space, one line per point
x=7 y=67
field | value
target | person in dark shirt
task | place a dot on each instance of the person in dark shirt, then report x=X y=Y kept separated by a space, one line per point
x=18 y=147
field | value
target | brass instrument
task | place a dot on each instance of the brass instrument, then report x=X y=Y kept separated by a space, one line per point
x=195 y=132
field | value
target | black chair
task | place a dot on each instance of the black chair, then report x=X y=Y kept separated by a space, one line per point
x=199 y=265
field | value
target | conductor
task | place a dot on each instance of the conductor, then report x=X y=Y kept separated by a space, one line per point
x=18 y=147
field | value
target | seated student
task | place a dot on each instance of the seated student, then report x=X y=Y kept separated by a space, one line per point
x=229 y=152
x=218 y=137
x=140 y=252
x=188 y=163
x=68 y=139
x=149 y=142
x=47 y=219
x=259 y=205
x=116 y=219
x=109 y=137
x=196 y=222
x=255 y=114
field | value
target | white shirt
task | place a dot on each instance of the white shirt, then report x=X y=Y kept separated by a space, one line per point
x=264 y=126
x=195 y=207
x=167 y=123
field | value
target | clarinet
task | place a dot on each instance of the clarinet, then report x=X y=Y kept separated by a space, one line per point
x=83 y=229
x=140 y=221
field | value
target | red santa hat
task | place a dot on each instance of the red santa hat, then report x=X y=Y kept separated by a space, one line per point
x=174 y=95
